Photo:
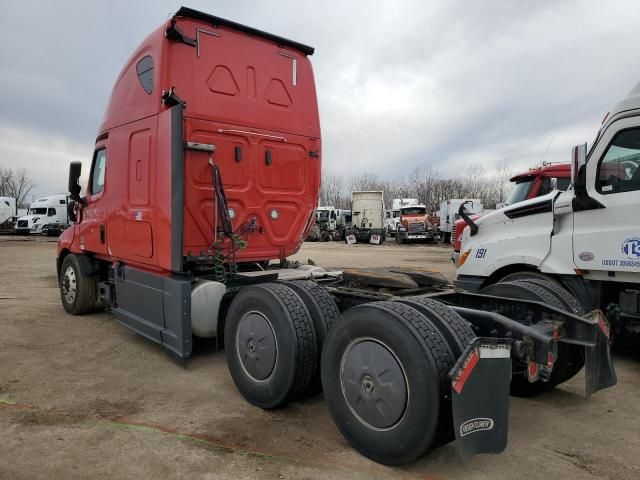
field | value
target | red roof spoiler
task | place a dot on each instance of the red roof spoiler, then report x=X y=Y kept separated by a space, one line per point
x=215 y=21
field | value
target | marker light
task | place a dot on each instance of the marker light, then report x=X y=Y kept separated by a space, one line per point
x=463 y=258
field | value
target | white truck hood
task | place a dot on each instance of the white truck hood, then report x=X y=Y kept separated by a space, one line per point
x=517 y=234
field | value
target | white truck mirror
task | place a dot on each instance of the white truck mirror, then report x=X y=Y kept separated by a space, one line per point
x=553 y=183
x=578 y=159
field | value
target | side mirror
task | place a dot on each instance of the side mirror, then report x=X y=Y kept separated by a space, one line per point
x=578 y=159
x=75 y=169
x=553 y=183
x=472 y=225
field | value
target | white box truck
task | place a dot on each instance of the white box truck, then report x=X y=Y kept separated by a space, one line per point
x=449 y=213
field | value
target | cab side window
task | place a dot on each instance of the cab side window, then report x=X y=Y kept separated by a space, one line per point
x=98 y=171
x=51 y=212
x=618 y=170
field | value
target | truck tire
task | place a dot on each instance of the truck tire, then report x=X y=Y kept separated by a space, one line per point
x=455 y=329
x=271 y=346
x=570 y=302
x=397 y=341
x=77 y=291
x=324 y=313
x=570 y=357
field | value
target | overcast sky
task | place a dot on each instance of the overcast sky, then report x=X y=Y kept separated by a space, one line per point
x=400 y=84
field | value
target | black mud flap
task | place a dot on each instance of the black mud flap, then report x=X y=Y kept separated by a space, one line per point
x=480 y=395
x=598 y=364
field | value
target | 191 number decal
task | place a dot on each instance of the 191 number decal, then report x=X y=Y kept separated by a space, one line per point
x=481 y=252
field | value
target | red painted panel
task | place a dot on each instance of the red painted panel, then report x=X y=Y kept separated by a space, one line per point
x=140 y=238
x=139 y=149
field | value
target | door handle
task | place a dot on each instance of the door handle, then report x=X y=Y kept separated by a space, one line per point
x=102 y=233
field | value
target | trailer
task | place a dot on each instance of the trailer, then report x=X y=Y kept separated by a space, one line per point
x=204 y=179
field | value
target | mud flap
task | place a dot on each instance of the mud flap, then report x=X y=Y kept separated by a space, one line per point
x=598 y=364
x=480 y=396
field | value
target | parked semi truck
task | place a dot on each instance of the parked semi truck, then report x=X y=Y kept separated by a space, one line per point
x=533 y=183
x=416 y=224
x=367 y=218
x=8 y=214
x=325 y=225
x=585 y=240
x=204 y=179
x=47 y=216
x=391 y=220
x=392 y=217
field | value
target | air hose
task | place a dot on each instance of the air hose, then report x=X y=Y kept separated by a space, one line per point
x=219 y=257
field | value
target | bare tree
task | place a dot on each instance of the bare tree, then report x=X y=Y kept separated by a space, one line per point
x=332 y=191
x=366 y=181
x=426 y=184
x=16 y=183
x=503 y=173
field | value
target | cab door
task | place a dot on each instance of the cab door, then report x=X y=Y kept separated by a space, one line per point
x=608 y=238
x=93 y=233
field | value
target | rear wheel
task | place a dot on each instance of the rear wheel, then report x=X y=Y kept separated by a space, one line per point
x=570 y=357
x=77 y=290
x=384 y=373
x=271 y=346
x=324 y=313
x=455 y=329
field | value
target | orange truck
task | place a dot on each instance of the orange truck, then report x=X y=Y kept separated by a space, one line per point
x=416 y=224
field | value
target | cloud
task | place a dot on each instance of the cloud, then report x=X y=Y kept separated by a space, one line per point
x=45 y=157
x=400 y=85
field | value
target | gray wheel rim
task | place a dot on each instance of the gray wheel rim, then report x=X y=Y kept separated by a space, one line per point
x=256 y=346
x=69 y=284
x=374 y=384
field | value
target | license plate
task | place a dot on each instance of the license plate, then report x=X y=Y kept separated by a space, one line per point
x=351 y=239
x=375 y=239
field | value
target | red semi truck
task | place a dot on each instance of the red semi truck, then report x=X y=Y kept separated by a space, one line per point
x=204 y=179
x=530 y=184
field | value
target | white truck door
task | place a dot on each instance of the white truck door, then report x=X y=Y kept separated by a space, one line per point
x=609 y=238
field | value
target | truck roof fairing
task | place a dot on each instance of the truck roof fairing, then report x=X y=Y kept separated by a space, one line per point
x=195 y=14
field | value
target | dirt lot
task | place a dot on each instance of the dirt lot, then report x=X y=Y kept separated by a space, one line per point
x=83 y=397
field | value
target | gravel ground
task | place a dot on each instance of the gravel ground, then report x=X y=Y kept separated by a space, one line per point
x=83 y=397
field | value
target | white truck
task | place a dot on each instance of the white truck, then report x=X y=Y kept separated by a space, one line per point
x=8 y=212
x=47 y=215
x=327 y=217
x=585 y=241
x=449 y=213
x=367 y=218
x=391 y=221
